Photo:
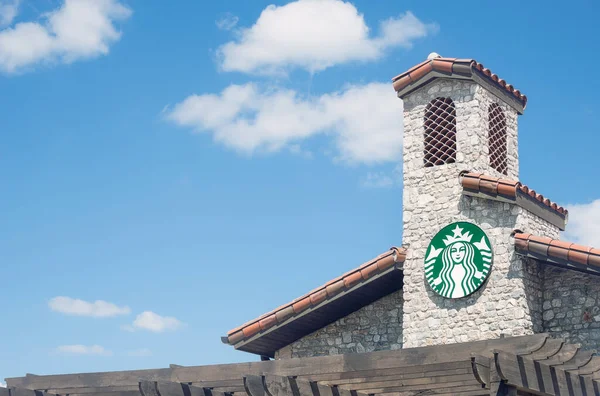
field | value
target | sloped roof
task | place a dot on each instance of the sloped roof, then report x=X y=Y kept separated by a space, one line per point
x=323 y=305
x=559 y=253
x=425 y=71
x=535 y=363
x=478 y=184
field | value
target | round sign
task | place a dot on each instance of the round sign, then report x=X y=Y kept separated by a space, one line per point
x=458 y=260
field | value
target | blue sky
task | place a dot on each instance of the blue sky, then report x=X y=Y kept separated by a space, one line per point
x=169 y=171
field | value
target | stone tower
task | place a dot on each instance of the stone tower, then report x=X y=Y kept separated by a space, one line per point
x=459 y=117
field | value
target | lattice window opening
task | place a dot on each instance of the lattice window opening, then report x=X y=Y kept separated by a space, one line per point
x=497 y=139
x=440 y=132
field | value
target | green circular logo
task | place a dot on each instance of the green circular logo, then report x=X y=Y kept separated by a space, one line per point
x=458 y=260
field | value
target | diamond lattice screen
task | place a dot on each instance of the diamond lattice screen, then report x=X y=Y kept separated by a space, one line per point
x=440 y=132
x=497 y=138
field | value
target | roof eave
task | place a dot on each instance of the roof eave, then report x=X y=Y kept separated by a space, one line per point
x=502 y=190
x=558 y=253
x=268 y=348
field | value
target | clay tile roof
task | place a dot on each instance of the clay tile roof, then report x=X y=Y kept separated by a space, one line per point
x=317 y=296
x=561 y=253
x=494 y=187
x=449 y=67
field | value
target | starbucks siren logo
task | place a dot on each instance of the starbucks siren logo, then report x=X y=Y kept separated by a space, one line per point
x=458 y=260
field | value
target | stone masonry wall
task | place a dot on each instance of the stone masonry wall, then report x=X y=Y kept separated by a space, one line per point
x=509 y=301
x=375 y=327
x=534 y=271
x=571 y=307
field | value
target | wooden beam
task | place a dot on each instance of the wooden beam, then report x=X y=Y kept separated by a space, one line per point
x=164 y=388
x=534 y=362
x=276 y=385
x=481 y=369
x=338 y=365
x=119 y=378
x=13 y=391
x=254 y=385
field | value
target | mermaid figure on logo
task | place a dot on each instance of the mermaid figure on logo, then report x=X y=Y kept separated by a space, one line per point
x=459 y=271
x=459 y=274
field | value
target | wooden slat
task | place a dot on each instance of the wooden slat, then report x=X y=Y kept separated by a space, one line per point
x=172 y=389
x=481 y=369
x=560 y=374
x=148 y=388
x=304 y=388
x=273 y=385
x=550 y=348
x=254 y=385
x=276 y=385
x=163 y=388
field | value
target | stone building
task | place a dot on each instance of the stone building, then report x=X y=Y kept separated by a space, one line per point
x=481 y=297
x=461 y=164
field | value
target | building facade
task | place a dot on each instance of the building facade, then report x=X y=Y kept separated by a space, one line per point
x=481 y=296
x=460 y=164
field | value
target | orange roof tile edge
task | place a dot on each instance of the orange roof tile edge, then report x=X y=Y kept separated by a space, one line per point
x=451 y=65
x=316 y=296
x=507 y=188
x=555 y=249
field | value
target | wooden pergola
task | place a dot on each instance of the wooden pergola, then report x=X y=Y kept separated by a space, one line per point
x=528 y=365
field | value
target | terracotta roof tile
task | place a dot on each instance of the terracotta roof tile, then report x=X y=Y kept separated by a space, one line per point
x=301 y=305
x=267 y=322
x=352 y=279
x=283 y=314
x=250 y=330
x=369 y=271
x=452 y=66
x=335 y=288
x=560 y=251
x=317 y=296
x=477 y=182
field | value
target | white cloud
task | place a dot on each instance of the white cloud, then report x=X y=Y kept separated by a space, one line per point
x=97 y=309
x=315 y=35
x=2 y=384
x=153 y=322
x=83 y=350
x=227 y=21
x=365 y=121
x=584 y=224
x=383 y=179
x=79 y=29
x=8 y=11
x=377 y=180
x=143 y=352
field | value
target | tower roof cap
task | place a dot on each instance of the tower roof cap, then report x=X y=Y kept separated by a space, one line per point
x=467 y=69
